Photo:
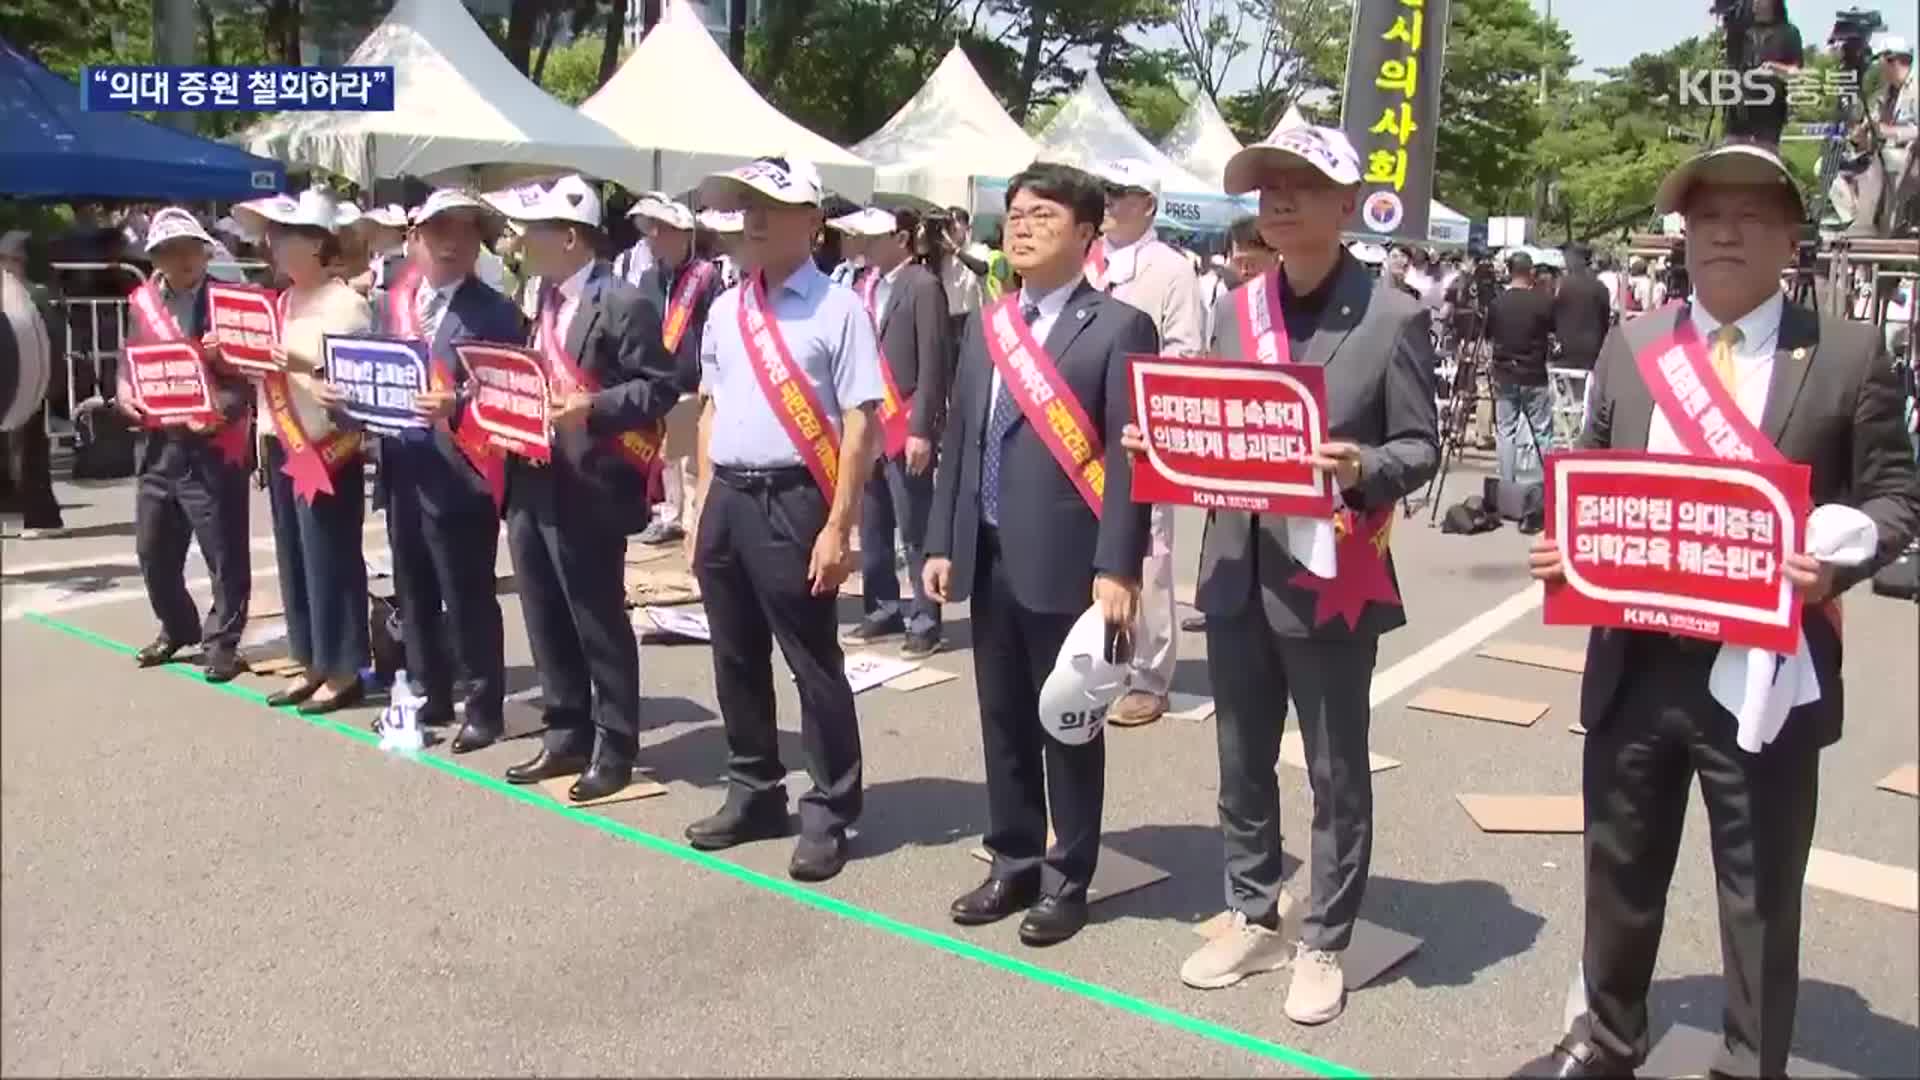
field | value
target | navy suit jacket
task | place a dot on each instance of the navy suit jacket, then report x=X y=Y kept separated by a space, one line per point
x=439 y=472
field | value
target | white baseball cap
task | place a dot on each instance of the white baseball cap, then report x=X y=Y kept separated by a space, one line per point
x=446 y=200
x=1325 y=149
x=666 y=211
x=569 y=198
x=1732 y=163
x=872 y=221
x=1892 y=45
x=1129 y=173
x=173 y=223
x=313 y=209
x=390 y=216
x=1084 y=681
x=721 y=221
x=783 y=179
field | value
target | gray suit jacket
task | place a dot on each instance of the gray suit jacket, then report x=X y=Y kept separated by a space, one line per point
x=1844 y=421
x=917 y=335
x=1377 y=350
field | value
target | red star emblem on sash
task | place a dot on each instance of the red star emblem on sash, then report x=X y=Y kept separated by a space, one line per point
x=1360 y=577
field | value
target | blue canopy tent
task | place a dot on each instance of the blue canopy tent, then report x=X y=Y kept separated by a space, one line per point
x=53 y=148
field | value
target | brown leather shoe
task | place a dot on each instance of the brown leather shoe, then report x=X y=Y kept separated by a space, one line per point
x=1136 y=708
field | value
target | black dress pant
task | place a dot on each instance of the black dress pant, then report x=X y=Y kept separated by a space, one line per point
x=443 y=578
x=757 y=531
x=323 y=568
x=1029 y=771
x=187 y=492
x=569 y=560
x=28 y=474
x=1665 y=730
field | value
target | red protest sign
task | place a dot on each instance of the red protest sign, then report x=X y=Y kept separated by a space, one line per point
x=1677 y=544
x=507 y=397
x=246 y=324
x=169 y=380
x=1231 y=436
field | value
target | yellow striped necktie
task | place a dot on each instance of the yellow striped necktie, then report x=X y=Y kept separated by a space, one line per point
x=1725 y=340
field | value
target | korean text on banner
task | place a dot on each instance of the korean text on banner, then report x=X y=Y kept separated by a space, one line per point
x=1677 y=544
x=246 y=324
x=507 y=397
x=380 y=376
x=1392 y=111
x=170 y=381
x=1231 y=436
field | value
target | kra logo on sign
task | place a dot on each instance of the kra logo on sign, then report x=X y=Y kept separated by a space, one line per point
x=1383 y=211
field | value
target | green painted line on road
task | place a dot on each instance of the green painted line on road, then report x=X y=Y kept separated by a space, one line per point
x=1094 y=992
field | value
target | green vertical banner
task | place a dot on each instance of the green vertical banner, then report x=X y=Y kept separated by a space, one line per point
x=1395 y=58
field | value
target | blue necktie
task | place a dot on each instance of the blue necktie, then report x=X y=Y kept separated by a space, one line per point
x=1000 y=421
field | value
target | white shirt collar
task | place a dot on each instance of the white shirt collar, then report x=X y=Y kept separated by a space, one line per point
x=571 y=288
x=1052 y=303
x=1759 y=328
x=894 y=274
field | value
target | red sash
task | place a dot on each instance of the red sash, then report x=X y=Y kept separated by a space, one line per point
x=1046 y=400
x=404 y=319
x=310 y=464
x=680 y=305
x=895 y=414
x=1263 y=333
x=787 y=390
x=1096 y=265
x=229 y=437
x=1700 y=409
x=636 y=446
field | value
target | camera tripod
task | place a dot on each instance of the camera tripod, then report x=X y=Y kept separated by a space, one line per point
x=1457 y=414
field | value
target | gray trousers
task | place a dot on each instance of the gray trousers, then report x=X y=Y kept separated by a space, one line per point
x=1254 y=673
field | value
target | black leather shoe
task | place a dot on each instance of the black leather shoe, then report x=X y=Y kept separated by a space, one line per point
x=225 y=666
x=1053 y=920
x=1575 y=1059
x=475 y=735
x=740 y=823
x=1194 y=624
x=546 y=765
x=158 y=652
x=345 y=699
x=292 y=695
x=605 y=775
x=818 y=858
x=995 y=899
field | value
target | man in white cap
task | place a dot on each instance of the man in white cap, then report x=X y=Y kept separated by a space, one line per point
x=726 y=227
x=193 y=476
x=791 y=377
x=909 y=308
x=444 y=487
x=632 y=264
x=611 y=380
x=1276 y=630
x=384 y=231
x=1786 y=384
x=1132 y=263
x=1033 y=516
x=683 y=286
x=1869 y=199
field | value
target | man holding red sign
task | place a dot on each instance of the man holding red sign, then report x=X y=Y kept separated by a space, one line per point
x=1295 y=606
x=1033 y=515
x=1739 y=376
x=193 y=472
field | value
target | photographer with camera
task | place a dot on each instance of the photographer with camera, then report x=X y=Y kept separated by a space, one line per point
x=1760 y=38
x=1869 y=196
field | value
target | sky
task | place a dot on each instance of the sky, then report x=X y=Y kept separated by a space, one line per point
x=1608 y=33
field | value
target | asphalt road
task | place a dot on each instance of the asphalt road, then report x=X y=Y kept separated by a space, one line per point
x=193 y=883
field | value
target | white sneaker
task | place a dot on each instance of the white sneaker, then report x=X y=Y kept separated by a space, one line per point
x=1242 y=949
x=1319 y=990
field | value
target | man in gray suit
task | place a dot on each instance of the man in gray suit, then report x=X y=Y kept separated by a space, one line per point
x=1808 y=388
x=1276 y=630
x=909 y=307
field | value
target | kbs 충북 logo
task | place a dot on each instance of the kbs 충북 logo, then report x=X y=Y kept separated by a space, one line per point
x=1724 y=87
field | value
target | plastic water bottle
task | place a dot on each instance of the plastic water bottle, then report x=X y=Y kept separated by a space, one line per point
x=400 y=720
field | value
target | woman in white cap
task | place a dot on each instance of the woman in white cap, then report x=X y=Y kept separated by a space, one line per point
x=314 y=477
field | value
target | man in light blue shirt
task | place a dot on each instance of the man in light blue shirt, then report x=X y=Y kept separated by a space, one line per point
x=779 y=498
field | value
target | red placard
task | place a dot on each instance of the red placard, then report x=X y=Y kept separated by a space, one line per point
x=1677 y=544
x=507 y=397
x=1231 y=436
x=169 y=380
x=246 y=323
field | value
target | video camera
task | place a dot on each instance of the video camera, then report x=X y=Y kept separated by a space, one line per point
x=1853 y=30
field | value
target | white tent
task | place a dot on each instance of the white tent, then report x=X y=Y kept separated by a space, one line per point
x=953 y=130
x=682 y=103
x=1202 y=142
x=1448 y=226
x=461 y=112
x=1090 y=128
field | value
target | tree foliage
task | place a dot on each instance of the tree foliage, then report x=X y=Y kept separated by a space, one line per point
x=1489 y=103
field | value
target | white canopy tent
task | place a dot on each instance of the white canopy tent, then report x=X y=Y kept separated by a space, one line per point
x=953 y=130
x=461 y=113
x=682 y=103
x=1090 y=128
x=1202 y=142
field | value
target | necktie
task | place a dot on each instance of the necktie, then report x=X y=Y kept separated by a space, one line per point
x=1725 y=340
x=1000 y=421
x=432 y=307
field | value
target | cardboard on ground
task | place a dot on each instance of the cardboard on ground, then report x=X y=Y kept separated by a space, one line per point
x=920 y=678
x=678 y=622
x=1116 y=875
x=641 y=788
x=1904 y=780
x=1293 y=751
x=1373 y=951
x=1525 y=813
x=1479 y=706
x=1551 y=657
x=1864 y=879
